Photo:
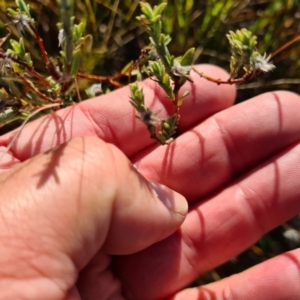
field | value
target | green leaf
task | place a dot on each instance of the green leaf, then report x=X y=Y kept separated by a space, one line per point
x=78 y=30
x=22 y=47
x=166 y=126
x=136 y=93
x=242 y=40
x=155 y=19
x=156 y=32
x=158 y=9
x=166 y=85
x=127 y=68
x=22 y=6
x=157 y=68
x=167 y=39
x=147 y=10
x=167 y=82
x=187 y=58
x=180 y=102
x=28 y=59
x=16 y=68
x=12 y=12
x=75 y=61
x=172 y=120
x=16 y=47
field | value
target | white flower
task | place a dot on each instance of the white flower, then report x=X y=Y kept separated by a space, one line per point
x=179 y=70
x=61 y=37
x=22 y=21
x=261 y=63
x=292 y=235
x=4 y=65
x=94 y=90
x=149 y=118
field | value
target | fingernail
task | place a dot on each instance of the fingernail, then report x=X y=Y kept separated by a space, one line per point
x=172 y=200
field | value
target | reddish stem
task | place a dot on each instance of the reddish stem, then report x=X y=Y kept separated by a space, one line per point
x=109 y=79
x=32 y=87
x=240 y=80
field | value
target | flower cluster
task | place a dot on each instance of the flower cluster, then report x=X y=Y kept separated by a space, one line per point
x=245 y=55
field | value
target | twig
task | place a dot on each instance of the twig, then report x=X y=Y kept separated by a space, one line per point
x=32 y=87
x=240 y=80
x=30 y=69
x=110 y=79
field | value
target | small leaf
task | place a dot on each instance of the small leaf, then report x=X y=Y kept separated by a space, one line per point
x=22 y=6
x=157 y=68
x=185 y=94
x=180 y=102
x=172 y=121
x=155 y=18
x=78 y=30
x=12 y=12
x=166 y=81
x=16 y=47
x=86 y=43
x=187 y=58
x=127 y=68
x=23 y=102
x=75 y=61
x=28 y=59
x=166 y=126
x=16 y=68
x=166 y=85
x=159 y=8
x=147 y=10
x=22 y=47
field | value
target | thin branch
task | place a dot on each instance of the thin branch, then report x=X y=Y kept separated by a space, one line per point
x=77 y=90
x=295 y=39
x=30 y=85
x=110 y=79
x=30 y=69
x=240 y=80
x=47 y=61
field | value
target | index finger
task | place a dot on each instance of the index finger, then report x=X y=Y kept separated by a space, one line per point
x=112 y=118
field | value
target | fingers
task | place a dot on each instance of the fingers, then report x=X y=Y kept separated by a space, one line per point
x=112 y=118
x=276 y=279
x=218 y=228
x=229 y=143
x=71 y=202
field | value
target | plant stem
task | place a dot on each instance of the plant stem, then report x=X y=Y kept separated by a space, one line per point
x=240 y=80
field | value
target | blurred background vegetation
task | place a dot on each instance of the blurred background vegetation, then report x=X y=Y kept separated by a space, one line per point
x=118 y=39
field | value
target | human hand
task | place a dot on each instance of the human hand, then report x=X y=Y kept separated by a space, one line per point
x=237 y=167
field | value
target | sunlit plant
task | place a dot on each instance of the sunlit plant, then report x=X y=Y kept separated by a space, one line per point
x=32 y=92
x=29 y=92
x=172 y=72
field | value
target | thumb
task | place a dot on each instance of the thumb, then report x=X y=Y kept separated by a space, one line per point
x=79 y=198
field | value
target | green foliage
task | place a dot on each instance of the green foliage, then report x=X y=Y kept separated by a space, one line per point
x=51 y=85
x=244 y=54
x=243 y=44
x=144 y=114
x=170 y=72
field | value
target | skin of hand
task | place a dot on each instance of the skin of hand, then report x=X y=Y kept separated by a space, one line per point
x=78 y=221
